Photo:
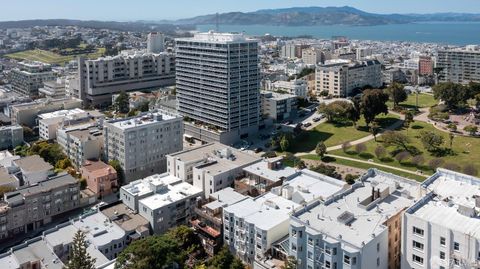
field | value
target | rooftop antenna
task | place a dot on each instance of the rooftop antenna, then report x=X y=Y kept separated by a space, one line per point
x=216 y=23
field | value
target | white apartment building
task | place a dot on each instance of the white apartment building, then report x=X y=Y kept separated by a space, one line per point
x=278 y=106
x=49 y=123
x=459 y=65
x=312 y=56
x=442 y=230
x=81 y=142
x=363 y=53
x=211 y=167
x=288 y=51
x=253 y=225
x=359 y=228
x=155 y=42
x=297 y=87
x=164 y=200
x=29 y=77
x=99 y=79
x=339 y=77
x=141 y=143
x=218 y=85
x=53 y=88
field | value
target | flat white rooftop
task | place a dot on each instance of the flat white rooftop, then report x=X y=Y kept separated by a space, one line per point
x=452 y=202
x=215 y=158
x=225 y=197
x=142 y=120
x=99 y=229
x=170 y=194
x=278 y=173
x=215 y=37
x=148 y=185
x=356 y=217
x=265 y=212
x=66 y=113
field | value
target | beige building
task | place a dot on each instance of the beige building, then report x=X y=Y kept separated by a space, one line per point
x=81 y=143
x=27 y=113
x=29 y=77
x=30 y=208
x=312 y=56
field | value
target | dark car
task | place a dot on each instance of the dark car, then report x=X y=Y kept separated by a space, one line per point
x=306 y=125
x=258 y=150
x=316 y=119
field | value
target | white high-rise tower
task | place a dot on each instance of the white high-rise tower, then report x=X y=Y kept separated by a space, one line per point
x=155 y=42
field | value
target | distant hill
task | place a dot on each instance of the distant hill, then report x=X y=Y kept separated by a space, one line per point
x=295 y=16
x=140 y=26
x=305 y=16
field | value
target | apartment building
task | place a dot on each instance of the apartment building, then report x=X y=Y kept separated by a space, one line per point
x=33 y=169
x=359 y=228
x=312 y=56
x=425 y=66
x=101 y=178
x=155 y=42
x=278 y=106
x=99 y=79
x=27 y=113
x=29 y=77
x=459 y=65
x=208 y=219
x=10 y=136
x=442 y=230
x=165 y=201
x=82 y=142
x=141 y=143
x=211 y=167
x=30 y=208
x=53 y=89
x=297 y=87
x=218 y=85
x=339 y=77
x=49 y=123
x=252 y=227
x=363 y=53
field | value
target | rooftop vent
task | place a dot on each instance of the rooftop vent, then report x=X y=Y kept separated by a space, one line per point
x=346 y=217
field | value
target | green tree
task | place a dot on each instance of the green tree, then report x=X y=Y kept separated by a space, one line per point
x=373 y=103
x=63 y=164
x=122 y=103
x=396 y=138
x=431 y=140
x=321 y=149
x=79 y=257
x=118 y=167
x=4 y=189
x=144 y=107
x=452 y=126
x=471 y=129
x=284 y=143
x=452 y=94
x=397 y=93
x=338 y=111
x=350 y=179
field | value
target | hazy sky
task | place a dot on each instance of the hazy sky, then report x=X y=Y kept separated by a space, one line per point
x=173 y=9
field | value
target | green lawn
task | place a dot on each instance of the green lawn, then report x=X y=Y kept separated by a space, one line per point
x=50 y=57
x=465 y=150
x=424 y=100
x=336 y=134
x=368 y=166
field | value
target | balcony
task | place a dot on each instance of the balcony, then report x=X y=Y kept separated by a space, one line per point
x=207 y=230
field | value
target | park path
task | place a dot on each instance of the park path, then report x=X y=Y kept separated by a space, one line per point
x=376 y=164
x=367 y=138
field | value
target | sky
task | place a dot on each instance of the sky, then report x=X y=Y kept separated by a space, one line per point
x=127 y=10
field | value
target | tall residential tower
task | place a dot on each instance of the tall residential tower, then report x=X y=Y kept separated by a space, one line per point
x=217 y=79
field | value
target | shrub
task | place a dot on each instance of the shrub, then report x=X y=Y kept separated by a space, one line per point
x=418 y=160
x=402 y=156
x=380 y=152
x=350 y=179
x=435 y=163
x=359 y=148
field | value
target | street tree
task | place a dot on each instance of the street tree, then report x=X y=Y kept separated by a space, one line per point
x=79 y=257
x=373 y=103
x=397 y=93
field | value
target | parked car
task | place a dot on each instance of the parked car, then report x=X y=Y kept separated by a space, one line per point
x=258 y=150
x=316 y=119
x=306 y=125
